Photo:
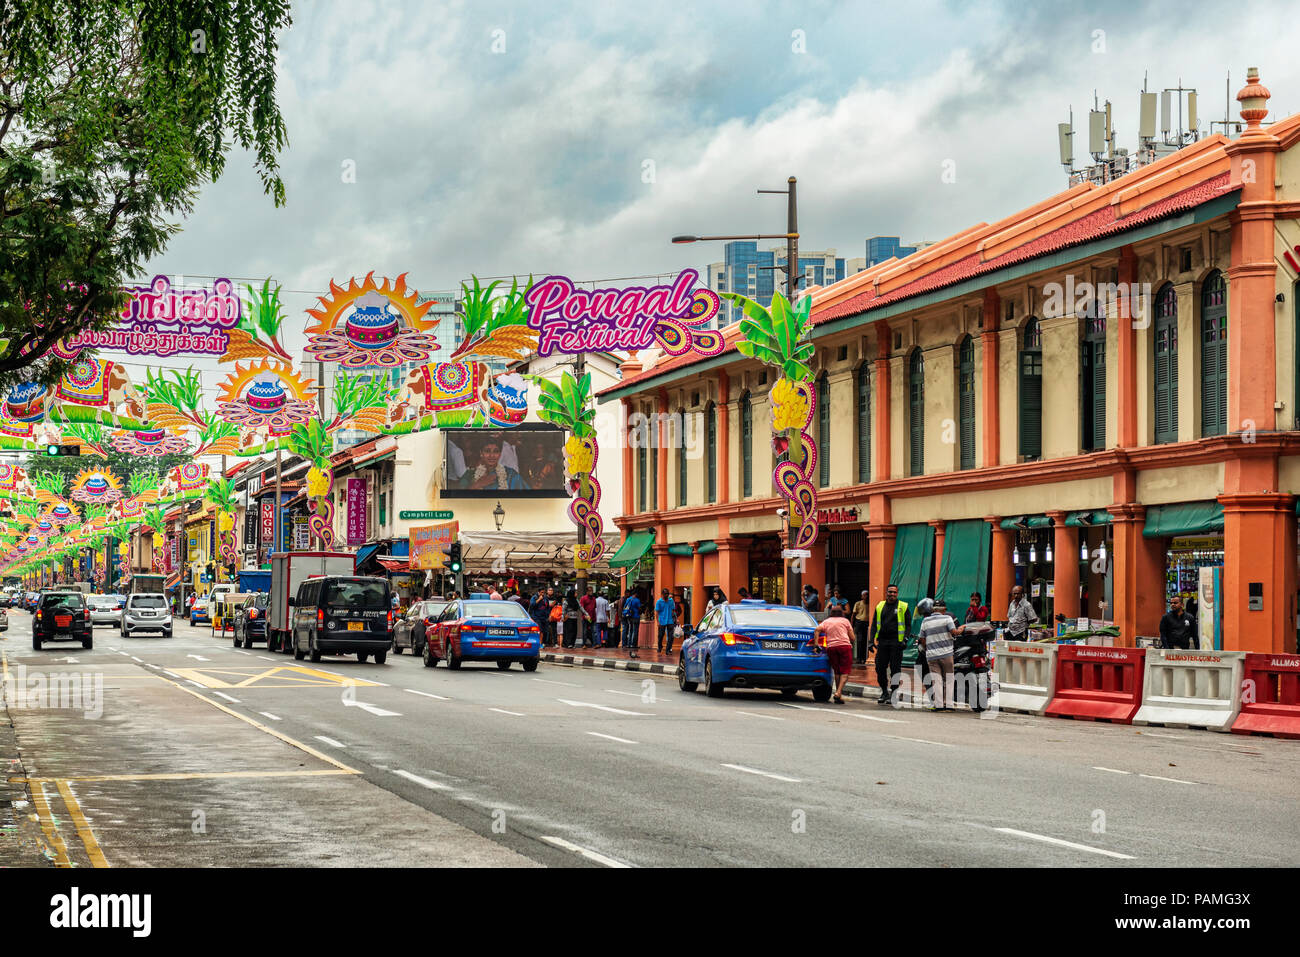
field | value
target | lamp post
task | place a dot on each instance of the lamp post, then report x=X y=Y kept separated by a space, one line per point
x=499 y=515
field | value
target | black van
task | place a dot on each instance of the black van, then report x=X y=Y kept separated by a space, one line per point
x=342 y=615
x=62 y=616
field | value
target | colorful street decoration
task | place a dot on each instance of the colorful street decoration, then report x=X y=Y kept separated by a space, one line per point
x=568 y=404
x=778 y=336
x=267 y=398
x=96 y=487
x=371 y=325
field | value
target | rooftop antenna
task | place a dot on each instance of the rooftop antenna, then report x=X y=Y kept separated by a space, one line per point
x=1065 y=140
x=1229 y=125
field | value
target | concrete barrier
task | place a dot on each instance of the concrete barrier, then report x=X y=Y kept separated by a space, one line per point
x=1026 y=676
x=1191 y=689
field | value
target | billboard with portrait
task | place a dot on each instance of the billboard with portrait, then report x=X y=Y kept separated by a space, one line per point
x=526 y=461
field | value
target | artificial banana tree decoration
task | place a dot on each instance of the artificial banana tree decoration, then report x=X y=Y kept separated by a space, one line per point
x=569 y=405
x=314 y=444
x=778 y=336
x=258 y=333
x=220 y=493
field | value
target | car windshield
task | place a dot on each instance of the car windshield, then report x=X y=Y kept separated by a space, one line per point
x=148 y=601
x=358 y=593
x=69 y=602
x=432 y=609
x=103 y=601
x=781 y=617
x=260 y=601
x=495 y=609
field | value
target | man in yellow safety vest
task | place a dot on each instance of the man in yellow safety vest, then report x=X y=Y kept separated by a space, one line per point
x=888 y=632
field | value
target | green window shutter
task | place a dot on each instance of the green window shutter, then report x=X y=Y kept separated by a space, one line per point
x=746 y=446
x=383 y=509
x=864 y=423
x=916 y=414
x=1093 y=398
x=823 y=431
x=1214 y=355
x=1099 y=395
x=712 y=451
x=966 y=402
x=681 y=459
x=640 y=477
x=1166 y=364
x=1031 y=392
x=654 y=474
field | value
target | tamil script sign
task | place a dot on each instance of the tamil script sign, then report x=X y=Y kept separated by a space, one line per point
x=357 y=518
x=427 y=542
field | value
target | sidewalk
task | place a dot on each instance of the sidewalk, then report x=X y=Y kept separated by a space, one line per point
x=862 y=680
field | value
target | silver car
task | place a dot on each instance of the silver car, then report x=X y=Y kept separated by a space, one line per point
x=104 y=610
x=146 y=613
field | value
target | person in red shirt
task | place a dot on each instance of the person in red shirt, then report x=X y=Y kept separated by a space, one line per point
x=588 y=603
x=976 y=611
x=835 y=634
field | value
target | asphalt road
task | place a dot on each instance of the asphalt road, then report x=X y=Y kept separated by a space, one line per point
x=209 y=755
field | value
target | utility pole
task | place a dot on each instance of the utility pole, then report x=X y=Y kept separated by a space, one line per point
x=580 y=367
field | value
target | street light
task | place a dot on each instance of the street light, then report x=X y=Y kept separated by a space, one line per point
x=499 y=514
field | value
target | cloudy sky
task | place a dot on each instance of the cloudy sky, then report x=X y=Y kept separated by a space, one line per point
x=497 y=138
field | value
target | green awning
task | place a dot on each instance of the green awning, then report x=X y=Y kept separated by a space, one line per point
x=1183 y=518
x=1014 y=522
x=1089 y=516
x=684 y=550
x=913 y=563
x=964 y=567
x=708 y=548
x=634 y=546
x=1026 y=521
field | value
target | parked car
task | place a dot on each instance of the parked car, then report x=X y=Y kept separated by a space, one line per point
x=346 y=615
x=62 y=616
x=33 y=599
x=104 y=610
x=249 y=623
x=409 y=631
x=754 y=644
x=146 y=613
x=4 y=619
x=498 y=631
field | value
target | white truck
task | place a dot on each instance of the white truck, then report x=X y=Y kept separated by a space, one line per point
x=288 y=571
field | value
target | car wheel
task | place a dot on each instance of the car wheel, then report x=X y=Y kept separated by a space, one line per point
x=789 y=693
x=503 y=665
x=362 y=656
x=298 y=654
x=238 y=641
x=429 y=660
x=167 y=633
x=381 y=657
x=36 y=643
x=712 y=688
x=397 y=649
x=822 y=693
x=313 y=652
x=453 y=662
x=531 y=664
x=88 y=643
x=688 y=686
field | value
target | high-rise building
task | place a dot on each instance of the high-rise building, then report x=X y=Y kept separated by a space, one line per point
x=881 y=248
x=756 y=273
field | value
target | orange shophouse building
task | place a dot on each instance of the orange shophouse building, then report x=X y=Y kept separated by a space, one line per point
x=1094 y=397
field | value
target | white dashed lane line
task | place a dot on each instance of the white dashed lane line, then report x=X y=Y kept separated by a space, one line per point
x=517 y=714
x=585 y=852
x=226 y=696
x=267 y=714
x=330 y=741
x=426 y=694
x=1029 y=835
x=763 y=774
x=423 y=782
x=769 y=717
x=610 y=737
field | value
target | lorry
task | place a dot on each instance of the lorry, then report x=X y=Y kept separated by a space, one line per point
x=146 y=584
x=288 y=571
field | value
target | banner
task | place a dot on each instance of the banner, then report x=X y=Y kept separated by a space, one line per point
x=427 y=542
x=301 y=534
x=161 y=321
x=357 y=507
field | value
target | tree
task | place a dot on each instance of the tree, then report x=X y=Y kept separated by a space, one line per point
x=113 y=113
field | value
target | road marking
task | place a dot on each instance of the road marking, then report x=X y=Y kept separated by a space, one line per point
x=765 y=774
x=267 y=714
x=198 y=657
x=872 y=717
x=629 y=694
x=83 y=827
x=1154 y=734
x=423 y=782
x=368 y=708
x=938 y=744
x=1056 y=840
x=1156 y=777
x=172 y=673
x=585 y=852
x=611 y=737
x=227 y=697
x=47 y=825
x=548 y=681
x=517 y=714
x=601 y=707
x=769 y=717
x=330 y=741
x=1111 y=770
x=426 y=694
x=243 y=653
x=196 y=684
x=134 y=658
x=264 y=657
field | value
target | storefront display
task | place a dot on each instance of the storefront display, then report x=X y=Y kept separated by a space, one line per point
x=1186 y=557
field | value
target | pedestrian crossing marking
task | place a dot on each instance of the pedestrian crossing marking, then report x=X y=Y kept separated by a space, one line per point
x=281 y=676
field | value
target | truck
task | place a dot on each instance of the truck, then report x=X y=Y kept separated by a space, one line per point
x=255 y=580
x=288 y=571
x=146 y=584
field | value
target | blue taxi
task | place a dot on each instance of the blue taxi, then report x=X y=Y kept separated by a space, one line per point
x=754 y=644
x=483 y=631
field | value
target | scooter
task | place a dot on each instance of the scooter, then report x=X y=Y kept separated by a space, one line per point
x=971 y=665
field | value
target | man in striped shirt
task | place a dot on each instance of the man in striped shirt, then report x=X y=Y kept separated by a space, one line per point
x=936 y=641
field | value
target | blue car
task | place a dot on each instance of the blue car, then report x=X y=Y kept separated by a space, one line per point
x=200 y=612
x=474 y=630
x=754 y=644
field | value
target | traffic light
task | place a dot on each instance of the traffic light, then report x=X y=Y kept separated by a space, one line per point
x=454 y=563
x=63 y=450
x=211 y=569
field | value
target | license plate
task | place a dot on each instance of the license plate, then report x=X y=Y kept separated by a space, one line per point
x=356 y=626
x=501 y=631
x=781 y=645
x=63 y=637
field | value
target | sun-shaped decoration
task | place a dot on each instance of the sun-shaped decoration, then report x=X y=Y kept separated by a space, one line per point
x=97 y=487
x=146 y=442
x=266 y=397
x=371 y=325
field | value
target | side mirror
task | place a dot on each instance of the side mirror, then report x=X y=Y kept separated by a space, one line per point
x=292 y=601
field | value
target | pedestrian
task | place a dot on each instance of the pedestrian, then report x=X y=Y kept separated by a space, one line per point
x=936 y=642
x=836 y=600
x=1177 y=627
x=836 y=636
x=811 y=602
x=976 y=611
x=494 y=594
x=888 y=632
x=665 y=618
x=602 y=621
x=553 y=616
x=715 y=599
x=539 y=612
x=742 y=593
x=630 y=614
x=1020 y=615
x=588 y=604
x=861 y=625
x=572 y=614
x=681 y=621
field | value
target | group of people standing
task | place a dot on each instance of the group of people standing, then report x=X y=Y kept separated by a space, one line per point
x=571 y=620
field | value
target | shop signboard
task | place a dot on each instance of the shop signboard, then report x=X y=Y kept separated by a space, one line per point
x=837 y=516
x=424 y=515
x=357 y=508
x=427 y=542
x=301 y=534
x=268 y=522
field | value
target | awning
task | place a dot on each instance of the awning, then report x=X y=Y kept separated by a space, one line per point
x=365 y=552
x=395 y=565
x=964 y=567
x=1089 y=516
x=401 y=547
x=634 y=546
x=913 y=562
x=1183 y=518
x=1026 y=521
x=684 y=550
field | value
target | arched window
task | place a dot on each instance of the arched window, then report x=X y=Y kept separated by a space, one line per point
x=1093 y=366
x=1214 y=355
x=681 y=456
x=746 y=446
x=916 y=413
x=711 y=449
x=864 y=422
x=823 y=431
x=1166 y=356
x=1031 y=391
x=966 y=402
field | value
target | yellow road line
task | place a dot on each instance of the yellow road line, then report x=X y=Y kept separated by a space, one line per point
x=271 y=731
x=182 y=776
x=83 y=827
x=48 y=826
